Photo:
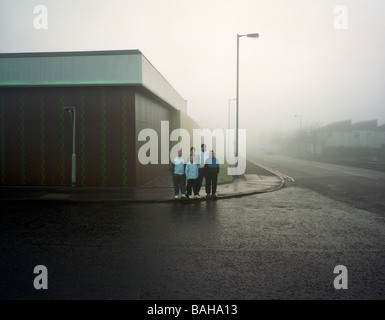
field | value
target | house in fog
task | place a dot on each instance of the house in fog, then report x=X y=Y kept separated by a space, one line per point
x=336 y=134
x=380 y=137
x=363 y=134
x=364 y=141
x=116 y=95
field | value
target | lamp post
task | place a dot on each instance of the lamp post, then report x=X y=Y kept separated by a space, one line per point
x=249 y=35
x=228 y=125
x=72 y=111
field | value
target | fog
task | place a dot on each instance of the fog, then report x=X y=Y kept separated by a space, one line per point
x=306 y=62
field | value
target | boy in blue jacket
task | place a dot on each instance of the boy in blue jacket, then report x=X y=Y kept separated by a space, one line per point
x=178 y=175
x=192 y=178
x=211 y=175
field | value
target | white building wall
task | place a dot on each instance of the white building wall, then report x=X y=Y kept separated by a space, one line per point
x=334 y=139
x=363 y=139
x=155 y=82
x=380 y=139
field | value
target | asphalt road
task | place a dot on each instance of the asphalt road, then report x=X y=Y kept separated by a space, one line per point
x=360 y=188
x=278 y=245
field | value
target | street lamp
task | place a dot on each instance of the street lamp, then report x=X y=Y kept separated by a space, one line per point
x=228 y=125
x=72 y=111
x=249 y=35
x=228 y=122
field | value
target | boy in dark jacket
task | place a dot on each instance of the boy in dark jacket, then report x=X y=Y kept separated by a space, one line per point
x=211 y=175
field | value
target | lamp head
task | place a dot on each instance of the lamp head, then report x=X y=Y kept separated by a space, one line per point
x=253 y=35
x=71 y=111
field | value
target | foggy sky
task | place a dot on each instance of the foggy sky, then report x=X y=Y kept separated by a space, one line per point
x=301 y=64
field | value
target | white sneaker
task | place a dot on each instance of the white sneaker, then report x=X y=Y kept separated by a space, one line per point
x=183 y=196
x=197 y=196
x=176 y=197
x=191 y=197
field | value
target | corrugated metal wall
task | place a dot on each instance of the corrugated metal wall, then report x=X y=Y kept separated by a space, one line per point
x=149 y=114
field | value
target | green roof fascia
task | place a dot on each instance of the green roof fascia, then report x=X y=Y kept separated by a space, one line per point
x=66 y=69
x=60 y=83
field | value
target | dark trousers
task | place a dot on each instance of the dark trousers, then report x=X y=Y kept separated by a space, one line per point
x=179 y=181
x=192 y=184
x=211 y=183
x=201 y=174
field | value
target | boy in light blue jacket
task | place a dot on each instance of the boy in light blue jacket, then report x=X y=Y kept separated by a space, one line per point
x=192 y=178
x=178 y=175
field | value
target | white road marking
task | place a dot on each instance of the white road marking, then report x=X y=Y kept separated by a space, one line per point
x=361 y=175
x=285 y=176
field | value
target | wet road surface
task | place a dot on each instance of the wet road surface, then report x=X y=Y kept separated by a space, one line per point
x=358 y=187
x=279 y=245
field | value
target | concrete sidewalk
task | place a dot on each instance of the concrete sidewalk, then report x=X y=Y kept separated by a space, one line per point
x=155 y=191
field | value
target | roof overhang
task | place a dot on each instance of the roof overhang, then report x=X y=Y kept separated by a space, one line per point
x=95 y=68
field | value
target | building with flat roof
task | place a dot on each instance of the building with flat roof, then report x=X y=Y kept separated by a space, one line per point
x=116 y=95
